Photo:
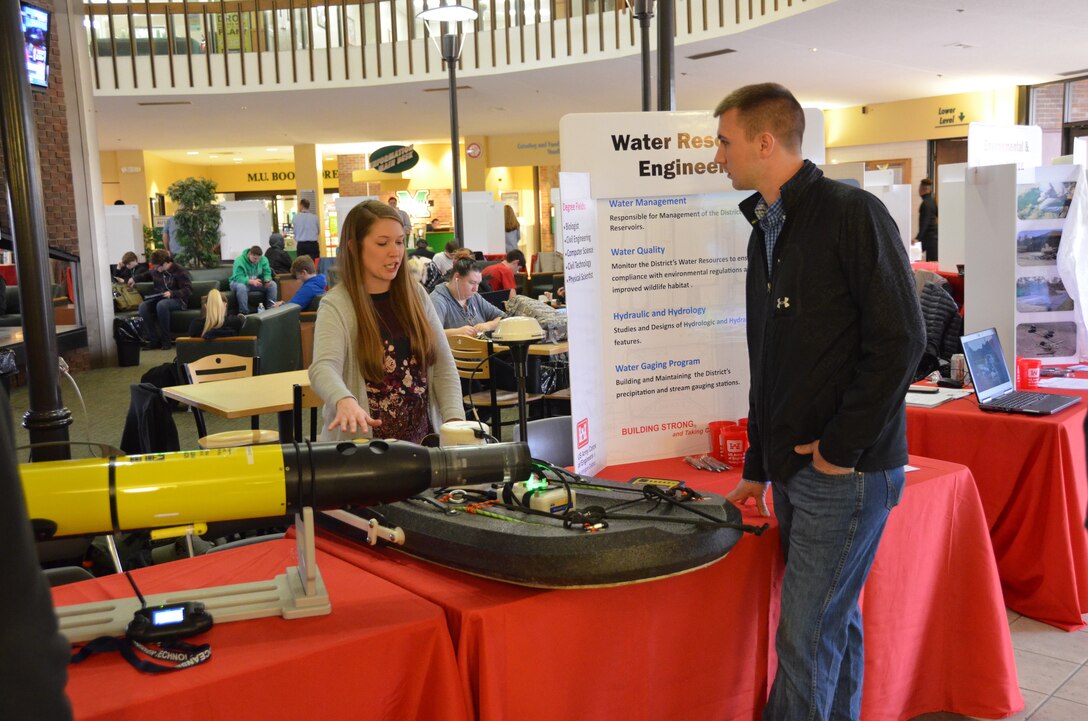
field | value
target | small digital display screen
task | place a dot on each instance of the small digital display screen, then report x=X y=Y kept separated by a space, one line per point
x=36 y=34
x=164 y=616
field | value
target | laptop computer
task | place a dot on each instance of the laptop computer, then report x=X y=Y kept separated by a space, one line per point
x=497 y=298
x=994 y=386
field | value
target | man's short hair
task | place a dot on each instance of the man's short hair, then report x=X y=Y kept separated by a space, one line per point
x=767 y=107
x=160 y=257
x=256 y=250
x=392 y=198
x=451 y=246
x=303 y=263
x=304 y=203
x=926 y=183
x=516 y=255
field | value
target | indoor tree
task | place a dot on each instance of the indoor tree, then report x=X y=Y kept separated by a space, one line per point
x=197 y=219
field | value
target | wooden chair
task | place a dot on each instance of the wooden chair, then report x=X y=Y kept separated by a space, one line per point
x=221 y=367
x=473 y=359
x=560 y=398
x=307 y=323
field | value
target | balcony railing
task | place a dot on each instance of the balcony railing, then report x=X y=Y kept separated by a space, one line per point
x=141 y=46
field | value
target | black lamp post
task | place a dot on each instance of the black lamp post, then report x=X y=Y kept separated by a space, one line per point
x=644 y=13
x=442 y=22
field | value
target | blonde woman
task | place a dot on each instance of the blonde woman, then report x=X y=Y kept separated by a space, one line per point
x=418 y=268
x=216 y=323
x=381 y=360
x=512 y=227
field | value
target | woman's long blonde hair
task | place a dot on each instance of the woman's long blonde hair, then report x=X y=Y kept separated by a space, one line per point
x=403 y=293
x=215 y=311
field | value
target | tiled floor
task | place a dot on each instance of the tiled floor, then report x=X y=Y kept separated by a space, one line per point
x=1052 y=666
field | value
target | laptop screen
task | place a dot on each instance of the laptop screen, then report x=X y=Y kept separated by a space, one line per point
x=986 y=362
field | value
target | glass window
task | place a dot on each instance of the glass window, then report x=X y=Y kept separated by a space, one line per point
x=1077 y=109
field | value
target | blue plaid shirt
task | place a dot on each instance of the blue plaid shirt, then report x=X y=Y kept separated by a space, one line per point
x=771 y=220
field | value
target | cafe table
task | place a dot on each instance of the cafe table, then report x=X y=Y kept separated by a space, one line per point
x=382 y=653
x=1032 y=479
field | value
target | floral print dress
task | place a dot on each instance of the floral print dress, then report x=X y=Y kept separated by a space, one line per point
x=399 y=400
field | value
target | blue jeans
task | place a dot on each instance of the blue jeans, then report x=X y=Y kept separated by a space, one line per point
x=831 y=526
x=156 y=315
x=242 y=291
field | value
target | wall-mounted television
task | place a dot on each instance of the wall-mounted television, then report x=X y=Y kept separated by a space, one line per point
x=36 y=34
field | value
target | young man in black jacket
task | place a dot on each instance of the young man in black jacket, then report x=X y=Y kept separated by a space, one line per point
x=172 y=289
x=834 y=335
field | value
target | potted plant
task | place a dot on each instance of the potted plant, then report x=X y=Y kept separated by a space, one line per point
x=197 y=219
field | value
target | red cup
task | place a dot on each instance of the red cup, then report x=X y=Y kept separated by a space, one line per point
x=1029 y=369
x=715 y=430
x=1017 y=383
x=734 y=444
x=743 y=422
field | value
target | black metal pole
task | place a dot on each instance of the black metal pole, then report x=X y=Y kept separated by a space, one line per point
x=666 y=29
x=48 y=419
x=450 y=53
x=644 y=11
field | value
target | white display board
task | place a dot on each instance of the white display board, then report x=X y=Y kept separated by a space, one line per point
x=990 y=277
x=655 y=261
x=849 y=173
x=952 y=227
x=898 y=200
x=995 y=144
x=483 y=225
x=874 y=178
x=245 y=223
x=124 y=232
x=344 y=204
x=1046 y=326
x=1073 y=252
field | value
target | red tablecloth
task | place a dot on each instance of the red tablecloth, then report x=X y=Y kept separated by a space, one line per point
x=700 y=645
x=1031 y=476
x=382 y=653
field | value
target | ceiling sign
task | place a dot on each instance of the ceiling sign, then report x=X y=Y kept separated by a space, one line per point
x=394 y=158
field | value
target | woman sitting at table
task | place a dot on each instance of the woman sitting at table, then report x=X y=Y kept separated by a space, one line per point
x=462 y=310
x=216 y=323
x=380 y=359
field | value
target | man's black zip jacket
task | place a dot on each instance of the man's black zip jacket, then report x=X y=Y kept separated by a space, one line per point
x=834 y=334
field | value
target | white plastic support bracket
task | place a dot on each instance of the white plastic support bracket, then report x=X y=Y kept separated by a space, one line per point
x=298 y=592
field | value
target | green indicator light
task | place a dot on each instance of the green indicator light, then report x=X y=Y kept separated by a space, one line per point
x=535 y=484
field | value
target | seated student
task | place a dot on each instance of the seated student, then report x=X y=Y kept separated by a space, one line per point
x=459 y=305
x=252 y=272
x=278 y=258
x=173 y=286
x=313 y=283
x=501 y=275
x=417 y=267
x=216 y=323
x=422 y=249
x=127 y=268
x=444 y=261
